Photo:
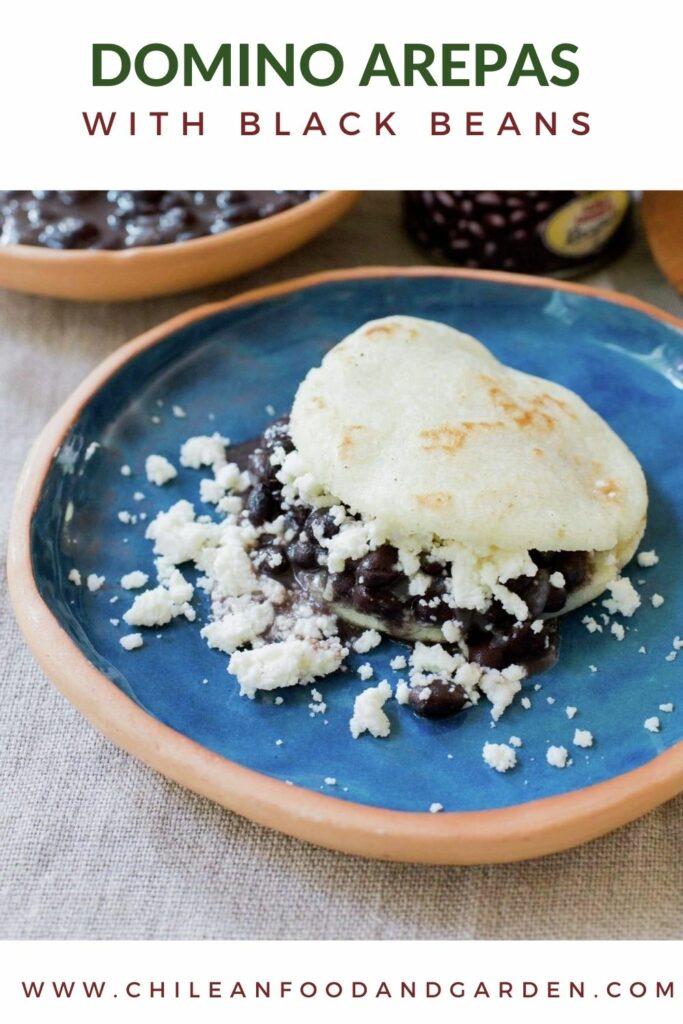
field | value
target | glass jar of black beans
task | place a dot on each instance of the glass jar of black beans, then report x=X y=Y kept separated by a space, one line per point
x=558 y=233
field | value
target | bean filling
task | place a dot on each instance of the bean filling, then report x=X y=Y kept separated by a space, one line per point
x=128 y=220
x=375 y=585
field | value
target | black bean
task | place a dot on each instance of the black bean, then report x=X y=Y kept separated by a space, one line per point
x=271 y=559
x=437 y=699
x=304 y=554
x=342 y=583
x=379 y=569
x=261 y=505
x=380 y=602
x=260 y=466
x=321 y=524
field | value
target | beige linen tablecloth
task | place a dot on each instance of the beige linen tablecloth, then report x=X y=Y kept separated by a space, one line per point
x=95 y=845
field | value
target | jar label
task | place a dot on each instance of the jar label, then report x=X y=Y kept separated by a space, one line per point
x=586 y=224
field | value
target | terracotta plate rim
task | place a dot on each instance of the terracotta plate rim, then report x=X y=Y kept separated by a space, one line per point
x=474 y=837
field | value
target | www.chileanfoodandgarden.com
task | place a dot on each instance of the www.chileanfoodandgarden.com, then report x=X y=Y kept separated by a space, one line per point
x=157 y=989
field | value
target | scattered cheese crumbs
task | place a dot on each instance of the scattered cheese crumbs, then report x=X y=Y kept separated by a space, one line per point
x=204 y=451
x=526 y=703
x=657 y=600
x=398 y=663
x=75 y=577
x=435 y=808
x=570 y=711
x=678 y=643
x=558 y=757
x=133 y=580
x=290 y=662
x=125 y=517
x=94 y=582
x=515 y=741
x=278 y=743
x=138 y=496
x=452 y=631
x=557 y=580
x=368 y=715
x=499 y=756
x=403 y=692
x=279 y=700
x=591 y=625
x=583 y=738
x=671 y=656
x=537 y=687
x=158 y=606
x=550 y=700
x=155 y=419
x=329 y=781
x=366 y=641
x=365 y=671
x=652 y=724
x=642 y=650
x=537 y=625
x=159 y=470
x=114 y=622
x=91 y=449
x=130 y=642
x=594 y=668
x=647 y=558
x=617 y=630
x=270 y=410
x=668 y=708
x=126 y=471
x=179 y=412
x=625 y=598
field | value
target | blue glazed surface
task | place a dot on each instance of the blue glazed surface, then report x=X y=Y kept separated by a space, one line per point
x=626 y=365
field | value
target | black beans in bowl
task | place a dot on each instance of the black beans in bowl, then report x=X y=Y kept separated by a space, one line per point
x=126 y=219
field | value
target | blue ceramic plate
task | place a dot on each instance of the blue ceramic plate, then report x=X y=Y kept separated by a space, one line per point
x=226 y=370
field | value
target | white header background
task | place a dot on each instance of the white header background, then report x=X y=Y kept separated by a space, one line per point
x=630 y=83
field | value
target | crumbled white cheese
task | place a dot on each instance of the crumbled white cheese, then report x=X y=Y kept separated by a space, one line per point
x=365 y=671
x=671 y=656
x=179 y=412
x=289 y=662
x=501 y=687
x=550 y=700
x=368 y=715
x=94 y=582
x=91 y=449
x=657 y=600
x=330 y=781
x=583 y=738
x=625 y=598
x=204 y=451
x=134 y=580
x=75 y=577
x=537 y=626
x=558 y=757
x=435 y=808
x=398 y=663
x=647 y=558
x=652 y=724
x=570 y=711
x=677 y=643
x=557 y=580
x=515 y=741
x=452 y=631
x=642 y=650
x=499 y=756
x=131 y=641
x=433 y=658
x=402 y=692
x=159 y=470
x=526 y=703
x=366 y=641
x=668 y=708
x=593 y=668
x=178 y=536
x=617 y=630
x=126 y=471
x=591 y=625
x=246 y=621
x=151 y=608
